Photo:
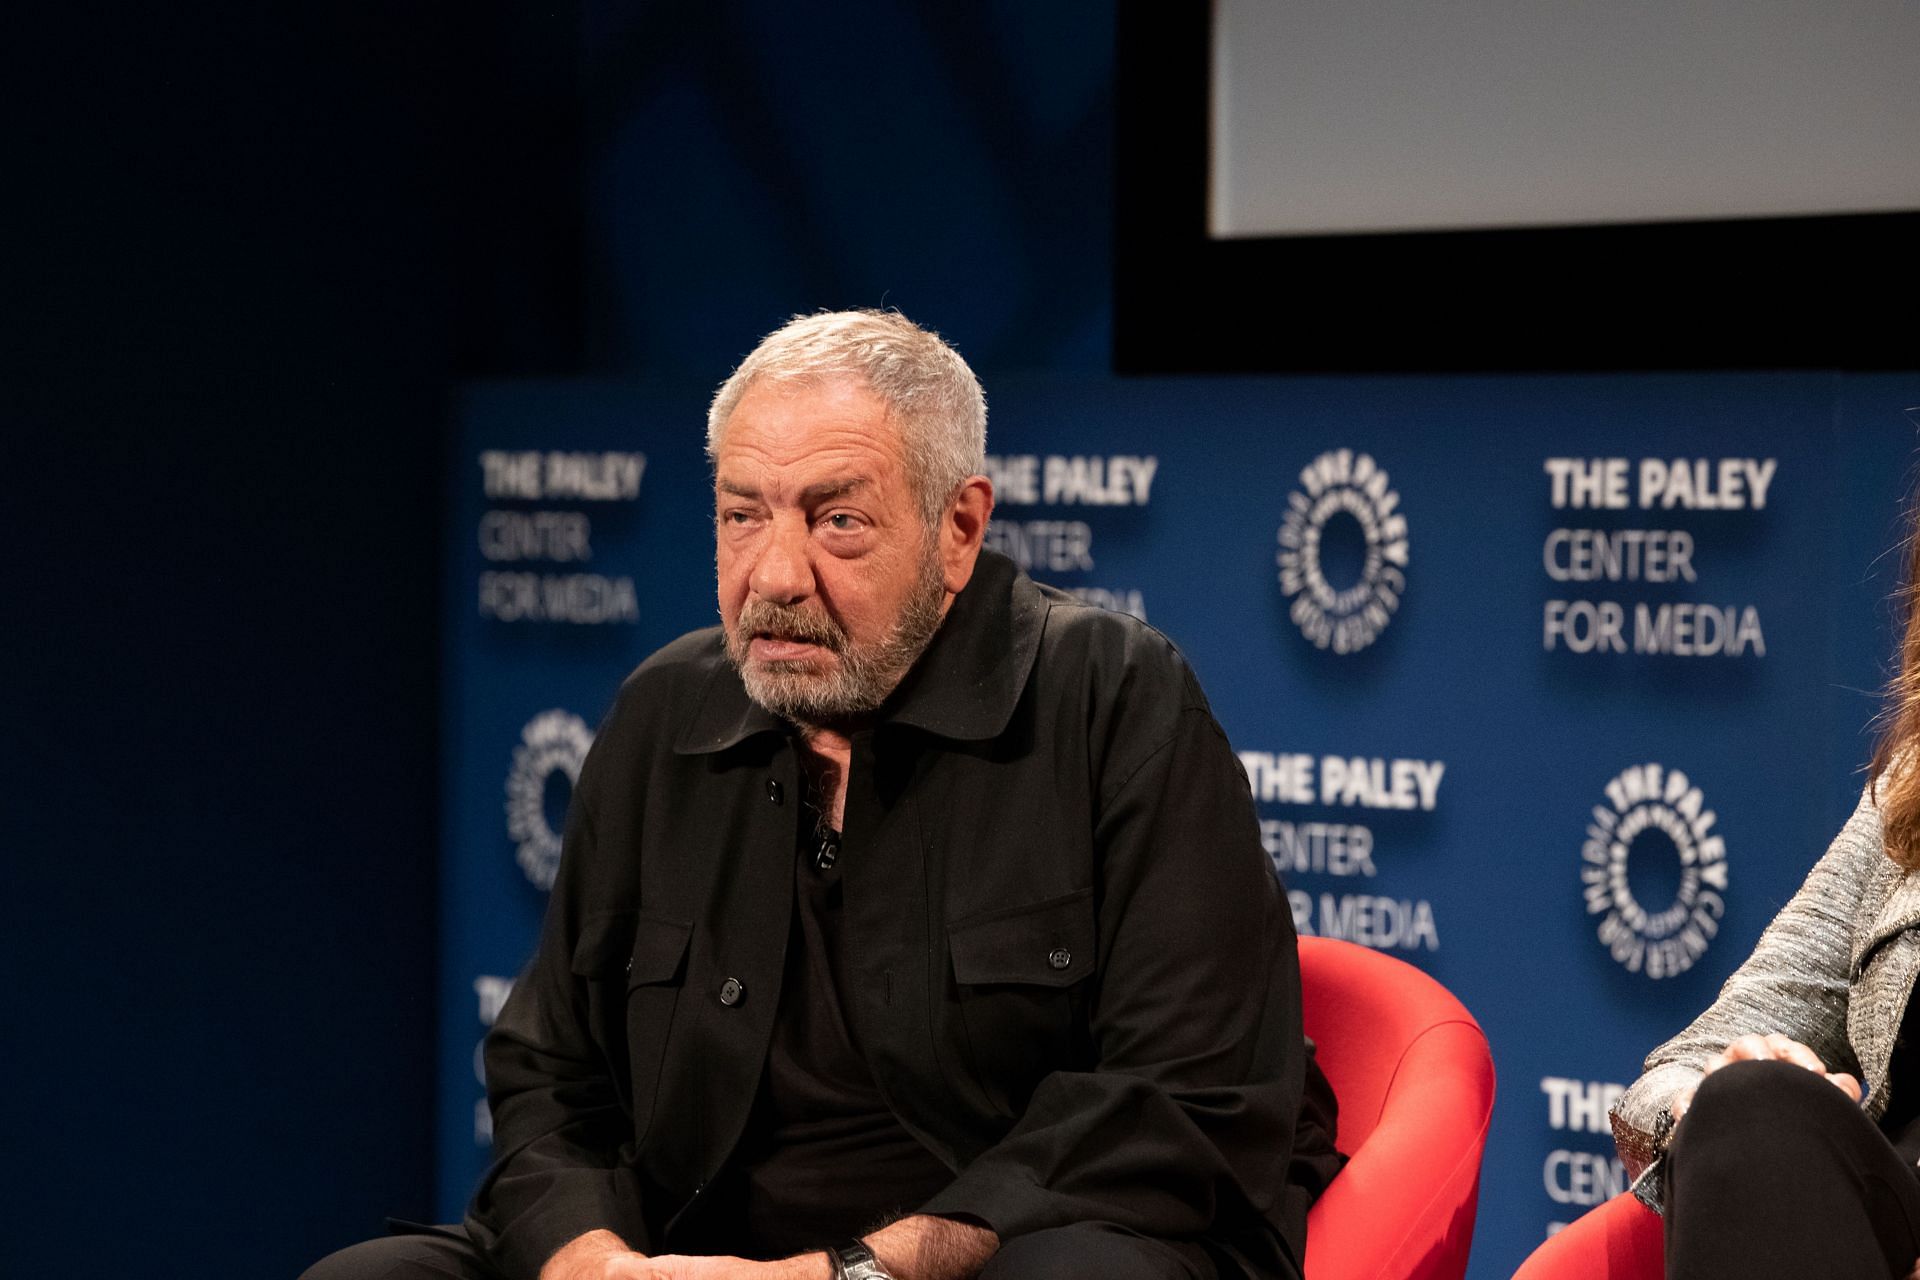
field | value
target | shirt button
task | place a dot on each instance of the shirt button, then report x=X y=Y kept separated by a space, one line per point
x=732 y=992
x=1059 y=958
x=773 y=790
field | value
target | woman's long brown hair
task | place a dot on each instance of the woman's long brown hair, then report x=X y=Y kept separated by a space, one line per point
x=1897 y=788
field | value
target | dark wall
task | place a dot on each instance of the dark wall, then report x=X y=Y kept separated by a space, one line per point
x=224 y=404
x=749 y=161
x=252 y=252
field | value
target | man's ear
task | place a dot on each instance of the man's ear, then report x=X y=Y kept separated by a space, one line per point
x=961 y=529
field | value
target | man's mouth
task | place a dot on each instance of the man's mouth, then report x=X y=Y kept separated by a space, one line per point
x=786 y=635
x=774 y=647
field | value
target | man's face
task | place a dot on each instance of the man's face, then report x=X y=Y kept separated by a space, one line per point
x=830 y=583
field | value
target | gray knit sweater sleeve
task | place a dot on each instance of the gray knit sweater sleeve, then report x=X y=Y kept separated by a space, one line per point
x=1795 y=983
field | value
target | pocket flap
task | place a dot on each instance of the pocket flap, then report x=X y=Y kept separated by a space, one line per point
x=604 y=943
x=659 y=945
x=1048 y=944
x=648 y=948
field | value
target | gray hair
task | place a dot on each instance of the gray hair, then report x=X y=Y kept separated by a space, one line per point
x=927 y=388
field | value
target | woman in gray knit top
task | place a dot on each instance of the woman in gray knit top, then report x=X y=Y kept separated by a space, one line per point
x=1779 y=1132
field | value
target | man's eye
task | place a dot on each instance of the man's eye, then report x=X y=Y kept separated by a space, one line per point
x=842 y=522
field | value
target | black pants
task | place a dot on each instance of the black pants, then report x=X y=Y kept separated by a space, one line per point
x=1086 y=1251
x=1774 y=1172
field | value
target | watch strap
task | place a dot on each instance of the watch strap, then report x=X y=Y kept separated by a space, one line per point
x=854 y=1261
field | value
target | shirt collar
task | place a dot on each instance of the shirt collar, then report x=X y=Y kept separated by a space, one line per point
x=965 y=686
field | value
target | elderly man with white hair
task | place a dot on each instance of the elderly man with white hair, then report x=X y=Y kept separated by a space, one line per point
x=911 y=922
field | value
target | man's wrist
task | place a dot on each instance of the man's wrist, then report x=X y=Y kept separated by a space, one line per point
x=581 y=1255
x=933 y=1247
x=853 y=1260
x=817 y=1265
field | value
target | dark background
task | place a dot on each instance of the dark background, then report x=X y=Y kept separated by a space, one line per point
x=251 y=251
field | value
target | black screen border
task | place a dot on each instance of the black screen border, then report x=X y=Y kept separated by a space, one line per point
x=1795 y=292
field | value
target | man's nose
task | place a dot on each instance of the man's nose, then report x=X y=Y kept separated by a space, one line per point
x=782 y=572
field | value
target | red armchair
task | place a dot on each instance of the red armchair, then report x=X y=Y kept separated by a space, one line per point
x=1619 y=1240
x=1414 y=1079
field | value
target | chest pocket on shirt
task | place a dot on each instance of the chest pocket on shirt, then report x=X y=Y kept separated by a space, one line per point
x=1020 y=974
x=633 y=963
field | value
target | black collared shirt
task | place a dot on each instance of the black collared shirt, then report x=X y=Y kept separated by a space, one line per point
x=823 y=1159
x=1075 y=981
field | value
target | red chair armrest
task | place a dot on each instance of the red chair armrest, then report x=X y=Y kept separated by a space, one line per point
x=1404 y=1205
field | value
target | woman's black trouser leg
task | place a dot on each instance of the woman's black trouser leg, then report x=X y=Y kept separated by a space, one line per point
x=1774 y=1172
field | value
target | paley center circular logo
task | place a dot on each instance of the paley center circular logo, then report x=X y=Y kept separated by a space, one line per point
x=1343 y=551
x=1654 y=872
x=552 y=747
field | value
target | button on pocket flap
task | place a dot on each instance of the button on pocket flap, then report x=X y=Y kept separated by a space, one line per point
x=659 y=945
x=605 y=942
x=643 y=948
x=1047 y=943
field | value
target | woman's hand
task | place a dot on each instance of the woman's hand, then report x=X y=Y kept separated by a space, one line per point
x=1768 y=1048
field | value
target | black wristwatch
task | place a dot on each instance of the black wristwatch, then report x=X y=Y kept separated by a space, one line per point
x=854 y=1261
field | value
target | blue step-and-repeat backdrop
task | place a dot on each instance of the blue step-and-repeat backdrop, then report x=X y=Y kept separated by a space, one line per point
x=1553 y=686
